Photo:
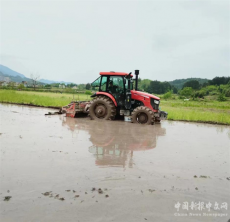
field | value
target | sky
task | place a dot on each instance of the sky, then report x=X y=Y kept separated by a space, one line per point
x=75 y=40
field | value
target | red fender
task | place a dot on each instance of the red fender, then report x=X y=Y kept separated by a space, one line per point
x=109 y=95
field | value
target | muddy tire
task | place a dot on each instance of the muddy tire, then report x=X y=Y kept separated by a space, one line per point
x=102 y=108
x=143 y=115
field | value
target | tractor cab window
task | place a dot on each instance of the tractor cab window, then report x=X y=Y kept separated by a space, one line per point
x=116 y=84
x=103 y=83
x=116 y=88
x=95 y=85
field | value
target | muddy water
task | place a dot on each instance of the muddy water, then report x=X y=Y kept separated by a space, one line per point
x=49 y=165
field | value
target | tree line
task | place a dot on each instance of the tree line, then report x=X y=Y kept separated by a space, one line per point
x=155 y=86
x=158 y=87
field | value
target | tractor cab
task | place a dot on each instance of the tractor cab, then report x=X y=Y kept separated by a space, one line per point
x=115 y=84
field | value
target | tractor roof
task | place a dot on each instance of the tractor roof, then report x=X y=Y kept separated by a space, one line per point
x=111 y=73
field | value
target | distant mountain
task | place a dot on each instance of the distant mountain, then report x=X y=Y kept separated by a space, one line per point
x=7 y=78
x=52 y=81
x=178 y=83
x=47 y=81
x=9 y=72
x=18 y=77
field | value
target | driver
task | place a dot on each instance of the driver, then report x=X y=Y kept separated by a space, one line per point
x=112 y=88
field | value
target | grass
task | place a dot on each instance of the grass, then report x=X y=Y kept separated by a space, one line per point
x=197 y=104
x=40 y=98
x=198 y=115
x=197 y=111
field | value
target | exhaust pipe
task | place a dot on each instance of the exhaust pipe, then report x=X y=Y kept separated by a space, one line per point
x=136 y=82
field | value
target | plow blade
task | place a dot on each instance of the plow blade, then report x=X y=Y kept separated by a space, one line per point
x=76 y=107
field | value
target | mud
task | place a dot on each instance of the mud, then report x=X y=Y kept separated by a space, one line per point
x=33 y=105
x=54 y=168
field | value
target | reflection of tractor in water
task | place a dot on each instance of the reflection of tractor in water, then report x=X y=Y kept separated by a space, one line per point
x=116 y=96
x=113 y=144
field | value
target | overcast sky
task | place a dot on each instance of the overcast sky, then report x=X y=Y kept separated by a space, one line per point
x=75 y=40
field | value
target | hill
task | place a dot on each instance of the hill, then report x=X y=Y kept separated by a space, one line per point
x=9 y=72
x=46 y=81
x=18 y=77
x=9 y=78
x=178 y=83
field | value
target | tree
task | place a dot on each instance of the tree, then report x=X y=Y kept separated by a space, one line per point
x=71 y=85
x=175 y=90
x=88 y=86
x=193 y=84
x=204 y=84
x=11 y=85
x=154 y=87
x=55 y=85
x=221 y=98
x=21 y=86
x=34 y=78
x=81 y=86
x=144 y=84
x=159 y=87
x=187 y=91
x=219 y=80
x=165 y=87
x=167 y=95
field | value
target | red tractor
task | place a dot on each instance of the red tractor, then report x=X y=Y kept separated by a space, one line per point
x=116 y=96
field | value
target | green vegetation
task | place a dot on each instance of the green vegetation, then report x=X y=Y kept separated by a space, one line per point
x=155 y=86
x=40 y=98
x=88 y=92
x=206 y=102
x=167 y=95
x=179 y=83
x=198 y=115
x=198 y=111
x=208 y=110
x=203 y=87
x=194 y=84
x=212 y=90
x=187 y=91
x=221 y=97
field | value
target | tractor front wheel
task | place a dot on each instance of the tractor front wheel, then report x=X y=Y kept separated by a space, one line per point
x=143 y=115
x=102 y=108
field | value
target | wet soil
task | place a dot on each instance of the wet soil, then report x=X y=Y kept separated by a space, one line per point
x=24 y=104
x=54 y=168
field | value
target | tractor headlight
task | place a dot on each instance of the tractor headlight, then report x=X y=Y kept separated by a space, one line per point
x=156 y=102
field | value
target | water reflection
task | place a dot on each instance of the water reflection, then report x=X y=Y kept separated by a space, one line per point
x=115 y=143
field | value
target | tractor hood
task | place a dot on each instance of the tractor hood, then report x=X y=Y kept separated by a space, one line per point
x=146 y=95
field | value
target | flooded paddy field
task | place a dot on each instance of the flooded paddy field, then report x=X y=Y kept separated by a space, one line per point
x=54 y=168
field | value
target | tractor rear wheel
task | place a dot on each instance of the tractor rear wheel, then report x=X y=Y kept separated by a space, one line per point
x=143 y=115
x=102 y=108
